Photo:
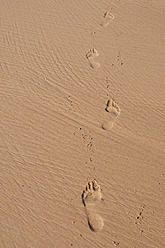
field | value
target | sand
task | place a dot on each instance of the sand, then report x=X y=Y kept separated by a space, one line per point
x=82 y=124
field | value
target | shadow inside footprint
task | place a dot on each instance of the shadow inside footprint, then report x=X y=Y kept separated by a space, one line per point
x=91 y=227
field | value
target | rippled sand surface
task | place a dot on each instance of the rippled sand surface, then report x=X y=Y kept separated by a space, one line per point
x=82 y=124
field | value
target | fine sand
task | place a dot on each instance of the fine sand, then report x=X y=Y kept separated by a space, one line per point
x=82 y=124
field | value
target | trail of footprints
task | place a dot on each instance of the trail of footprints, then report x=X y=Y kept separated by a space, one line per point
x=139 y=219
x=87 y=139
x=92 y=54
x=88 y=142
x=112 y=108
x=91 y=196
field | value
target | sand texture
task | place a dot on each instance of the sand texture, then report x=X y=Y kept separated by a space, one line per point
x=82 y=124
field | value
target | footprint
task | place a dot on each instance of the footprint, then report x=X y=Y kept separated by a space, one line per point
x=107 y=19
x=114 y=111
x=91 y=198
x=91 y=56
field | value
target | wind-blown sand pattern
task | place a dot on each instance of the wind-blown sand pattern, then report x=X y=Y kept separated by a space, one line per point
x=59 y=128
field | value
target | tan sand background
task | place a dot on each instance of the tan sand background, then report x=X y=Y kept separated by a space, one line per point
x=52 y=108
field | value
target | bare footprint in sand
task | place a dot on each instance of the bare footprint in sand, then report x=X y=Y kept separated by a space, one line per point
x=91 y=56
x=107 y=19
x=92 y=201
x=114 y=111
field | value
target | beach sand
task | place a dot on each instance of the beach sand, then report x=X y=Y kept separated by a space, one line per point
x=82 y=124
